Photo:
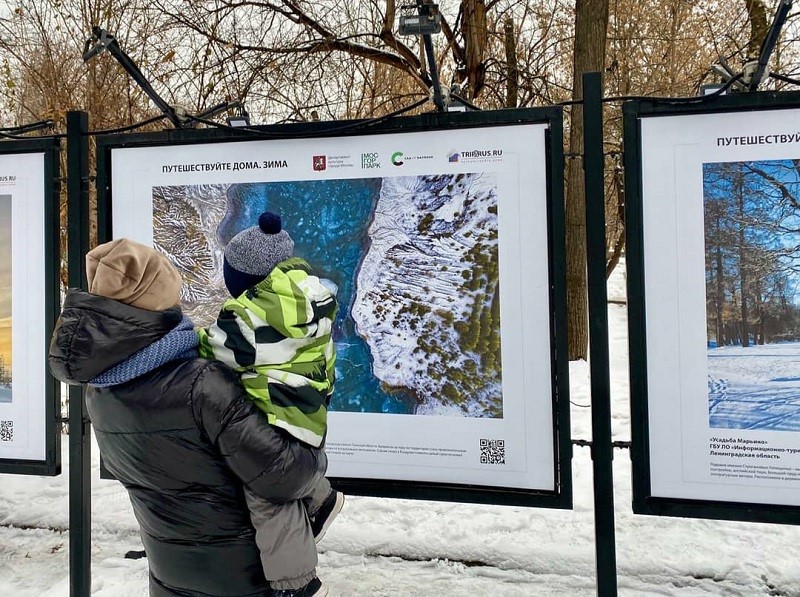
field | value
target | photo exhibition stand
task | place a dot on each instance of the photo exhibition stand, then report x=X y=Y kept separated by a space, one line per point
x=712 y=199
x=30 y=439
x=471 y=147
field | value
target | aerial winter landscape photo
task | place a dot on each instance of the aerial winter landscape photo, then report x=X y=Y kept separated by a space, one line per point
x=752 y=254
x=415 y=262
x=5 y=298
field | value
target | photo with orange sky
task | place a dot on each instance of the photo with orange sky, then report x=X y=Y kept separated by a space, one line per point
x=5 y=280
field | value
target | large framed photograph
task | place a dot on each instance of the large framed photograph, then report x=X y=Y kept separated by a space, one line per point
x=29 y=266
x=713 y=194
x=444 y=237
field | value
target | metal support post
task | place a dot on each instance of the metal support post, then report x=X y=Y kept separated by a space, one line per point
x=769 y=43
x=602 y=451
x=80 y=454
x=106 y=41
x=437 y=86
x=424 y=7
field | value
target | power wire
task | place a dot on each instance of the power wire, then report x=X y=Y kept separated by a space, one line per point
x=464 y=101
x=784 y=78
x=129 y=127
x=361 y=124
x=33 y=126
x=11 y=136
x=676 y=100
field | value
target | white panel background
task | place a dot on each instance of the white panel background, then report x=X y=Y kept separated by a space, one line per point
x=28 y=283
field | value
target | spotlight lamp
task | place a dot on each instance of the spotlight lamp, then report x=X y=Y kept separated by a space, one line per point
x=420 y=19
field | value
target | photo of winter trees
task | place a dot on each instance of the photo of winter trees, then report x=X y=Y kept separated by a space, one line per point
x=5 y=298
x=752 y=265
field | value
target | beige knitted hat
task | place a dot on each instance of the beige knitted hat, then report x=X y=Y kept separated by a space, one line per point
x=134 y=274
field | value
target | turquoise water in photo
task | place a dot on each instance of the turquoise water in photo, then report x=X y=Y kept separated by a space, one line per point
x=328 y=221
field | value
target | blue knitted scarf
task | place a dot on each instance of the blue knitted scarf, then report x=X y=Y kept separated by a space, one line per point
x=180 y=343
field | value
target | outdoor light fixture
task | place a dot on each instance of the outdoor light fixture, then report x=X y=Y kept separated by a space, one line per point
x=754 y=72
x=239 y=120
x=237 y=115
x=711 y=88
x=423 y=19
x=420 y=19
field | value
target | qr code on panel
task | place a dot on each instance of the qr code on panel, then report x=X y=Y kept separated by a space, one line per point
x=6 y=431
x=493 y=451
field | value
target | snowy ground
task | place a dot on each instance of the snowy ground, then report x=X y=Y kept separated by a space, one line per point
x=755 y=388
x=406 y=548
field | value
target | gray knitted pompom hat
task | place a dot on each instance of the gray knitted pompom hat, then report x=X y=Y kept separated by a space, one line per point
x=253 y=253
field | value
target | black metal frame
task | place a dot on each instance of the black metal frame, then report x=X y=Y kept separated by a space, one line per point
x=49 y=146
x=80 y=452
x=643 y=501
x=597 y=295
x=561 y=497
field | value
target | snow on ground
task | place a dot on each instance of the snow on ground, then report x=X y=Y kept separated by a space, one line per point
x=388 y=547
x=757 y=387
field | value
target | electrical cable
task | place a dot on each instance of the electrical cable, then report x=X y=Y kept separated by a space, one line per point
x=129 y=127
x=362 y=124
x=676 y=100
x=26 y=127
x=464 y=101
x=10 y=136
x=784 y=78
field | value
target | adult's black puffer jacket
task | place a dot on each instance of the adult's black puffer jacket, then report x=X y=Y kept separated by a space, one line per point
x=182 y=439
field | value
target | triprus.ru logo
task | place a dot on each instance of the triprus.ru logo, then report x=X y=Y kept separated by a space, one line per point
x=319 y=163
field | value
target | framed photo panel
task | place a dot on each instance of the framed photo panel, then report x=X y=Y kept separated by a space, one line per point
x=29 y=301
x=713 y=254
x=444 y=237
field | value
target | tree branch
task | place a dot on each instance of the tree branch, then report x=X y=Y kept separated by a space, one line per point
x=785 y=192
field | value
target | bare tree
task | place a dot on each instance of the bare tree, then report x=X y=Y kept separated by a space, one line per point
x=591 y=29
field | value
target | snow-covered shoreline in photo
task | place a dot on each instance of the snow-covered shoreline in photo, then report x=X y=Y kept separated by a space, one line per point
x=412 y=279
x=391 y=548
x=757 y=387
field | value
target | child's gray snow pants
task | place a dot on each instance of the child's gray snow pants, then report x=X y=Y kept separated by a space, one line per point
x=284 y=537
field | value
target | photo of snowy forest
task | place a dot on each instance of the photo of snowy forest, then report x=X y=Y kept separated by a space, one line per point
x=5 y=298
x=752 y=264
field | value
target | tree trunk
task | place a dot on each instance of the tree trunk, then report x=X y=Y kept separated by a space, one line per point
x=617 y=246
x=759 y=27
x=475 y=33
x=743 y=282
x=720 y=294
x=760 y=310
x=512 y=72
x=591 y=31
